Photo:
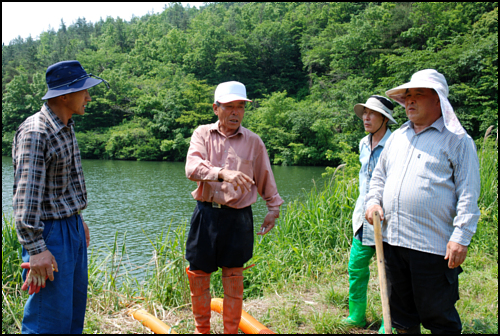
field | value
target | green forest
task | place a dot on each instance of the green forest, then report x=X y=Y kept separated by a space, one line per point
x=305 y=65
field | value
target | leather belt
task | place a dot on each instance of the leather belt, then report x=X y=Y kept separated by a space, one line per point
x=217 y=205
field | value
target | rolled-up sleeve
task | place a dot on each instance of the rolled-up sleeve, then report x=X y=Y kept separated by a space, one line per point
x=467 y=189
x=198 y=167
x=29 y=185
x=265 y=182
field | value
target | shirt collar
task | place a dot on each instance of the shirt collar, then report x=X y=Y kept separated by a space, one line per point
x=438 y=124
x=215 y=127
x=381 y=142
x=54 y=120
x=384 y=139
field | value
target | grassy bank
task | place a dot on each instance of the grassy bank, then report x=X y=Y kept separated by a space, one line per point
x=299 y=283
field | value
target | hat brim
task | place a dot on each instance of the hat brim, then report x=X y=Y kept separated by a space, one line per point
x=75 y=87
x=231 y=97
x=399 y=93
x=360 y=108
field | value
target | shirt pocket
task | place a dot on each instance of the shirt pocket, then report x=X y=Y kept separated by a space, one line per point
x=59 y=168
x=433 y=166
x=245 y=166
x=238 y=163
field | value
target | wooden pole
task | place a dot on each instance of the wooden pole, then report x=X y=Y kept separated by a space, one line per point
x=381 y=273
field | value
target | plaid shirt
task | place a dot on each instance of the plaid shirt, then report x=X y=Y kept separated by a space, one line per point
x=48 y=176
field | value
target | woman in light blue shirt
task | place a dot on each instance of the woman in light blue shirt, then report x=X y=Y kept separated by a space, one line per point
x=376 y=114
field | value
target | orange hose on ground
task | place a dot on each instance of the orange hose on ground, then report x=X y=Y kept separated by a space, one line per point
x=150 y=321
x=248 y=324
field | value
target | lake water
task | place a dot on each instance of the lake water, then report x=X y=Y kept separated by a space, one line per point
x=133 y=196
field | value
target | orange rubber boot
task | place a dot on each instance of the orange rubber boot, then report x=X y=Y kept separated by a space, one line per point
x=199 y=283
x=232 y=280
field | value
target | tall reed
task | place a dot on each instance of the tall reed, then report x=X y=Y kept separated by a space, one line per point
x=11 y=253
x=312 y=235
x=166 y=279
x=486 y=237
x=12 y=297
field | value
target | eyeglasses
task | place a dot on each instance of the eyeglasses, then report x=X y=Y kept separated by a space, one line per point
x=79 y=79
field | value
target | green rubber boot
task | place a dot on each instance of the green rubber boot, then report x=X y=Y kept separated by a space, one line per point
x=357 y=312
x=359 y=274
x=381 y=330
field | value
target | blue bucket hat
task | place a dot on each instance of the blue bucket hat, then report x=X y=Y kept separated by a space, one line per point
x=68 y=77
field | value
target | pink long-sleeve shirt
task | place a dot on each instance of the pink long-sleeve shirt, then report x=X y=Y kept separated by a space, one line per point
x=210 y=151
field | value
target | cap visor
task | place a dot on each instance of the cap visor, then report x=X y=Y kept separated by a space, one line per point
x=231 y=97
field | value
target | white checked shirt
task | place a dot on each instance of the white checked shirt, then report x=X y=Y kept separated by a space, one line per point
x=428 y=185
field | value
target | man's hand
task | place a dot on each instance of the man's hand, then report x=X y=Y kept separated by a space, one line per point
x=371 y=210
x=269 y=222
x=87 y=233
x=455 y=254
x=33 y=282
x=237 y=179
x=41 y=265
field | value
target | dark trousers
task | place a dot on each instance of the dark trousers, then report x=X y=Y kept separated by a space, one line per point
x=422 y=289
x=219 y=237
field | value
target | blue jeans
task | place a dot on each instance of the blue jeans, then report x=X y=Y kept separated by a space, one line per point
x=59 y=308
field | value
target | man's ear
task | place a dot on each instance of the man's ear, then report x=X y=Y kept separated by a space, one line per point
x=437 y=97
x=214 y=106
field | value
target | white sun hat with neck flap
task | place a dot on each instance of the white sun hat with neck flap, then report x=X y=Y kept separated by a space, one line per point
x=230 y=91
x=431 y=79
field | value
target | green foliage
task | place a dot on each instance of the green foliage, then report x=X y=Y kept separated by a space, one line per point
x=133 y=140
x=176 y=148
x=21 y=99
x=350 y=164
x=11 y=277
x=7 y=138
x=311 y=236
x=305 y=65
x=92 y=145
x=167 y=280
x=488 y=199
x=11 y=253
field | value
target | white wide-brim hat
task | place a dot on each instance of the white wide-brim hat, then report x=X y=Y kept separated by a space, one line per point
x=431 y=79
x=230 y=91
x=379 y=104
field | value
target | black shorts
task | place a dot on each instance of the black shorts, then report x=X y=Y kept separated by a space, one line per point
x=219 y=237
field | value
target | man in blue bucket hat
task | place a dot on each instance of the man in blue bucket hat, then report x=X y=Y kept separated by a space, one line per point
x=49 y=194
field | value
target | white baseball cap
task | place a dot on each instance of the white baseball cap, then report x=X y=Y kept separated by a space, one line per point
x=230 y=91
